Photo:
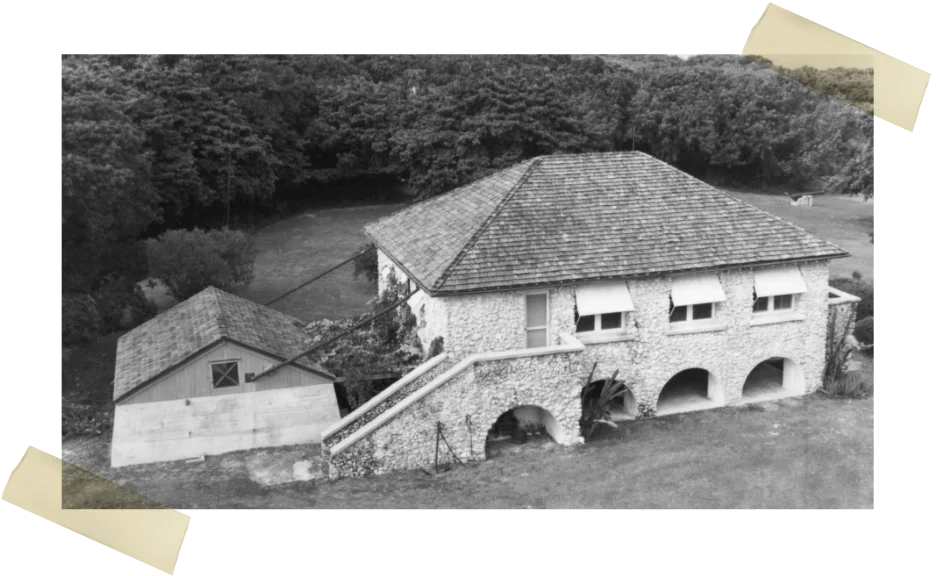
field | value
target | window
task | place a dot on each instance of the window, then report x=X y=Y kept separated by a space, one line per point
x=611 y=321
x=761 y=304
x=596 y=322
x=225 y=374
x=693 y=297
x=536 y=320
x=703 y=311
x=773 y=303
x=695 y=312
x=602 y=306
x=775 y=288
x=584 y=323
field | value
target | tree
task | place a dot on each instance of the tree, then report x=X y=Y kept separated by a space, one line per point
x=188 y=261
x=204 y=151
x=107 y=195
x=476 y=115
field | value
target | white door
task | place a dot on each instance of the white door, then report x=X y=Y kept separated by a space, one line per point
x=536 y=320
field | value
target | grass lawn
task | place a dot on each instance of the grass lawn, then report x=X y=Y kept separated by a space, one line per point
x=808 y=452
x=296 y=249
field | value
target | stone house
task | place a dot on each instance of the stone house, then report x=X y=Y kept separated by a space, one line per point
x=567 y=266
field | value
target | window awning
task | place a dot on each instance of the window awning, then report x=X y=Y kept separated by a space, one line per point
x=603 y=298
x=696 y=289
x=781 y=280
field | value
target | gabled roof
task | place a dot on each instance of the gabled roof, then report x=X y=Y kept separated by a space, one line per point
x=190 y=327
x=581 y=217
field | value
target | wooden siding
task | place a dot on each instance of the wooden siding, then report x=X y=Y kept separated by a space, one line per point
x=177 y=429
x=194 y=378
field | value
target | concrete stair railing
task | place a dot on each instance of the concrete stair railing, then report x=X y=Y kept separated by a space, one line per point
x=382 y=401
x=570 y=344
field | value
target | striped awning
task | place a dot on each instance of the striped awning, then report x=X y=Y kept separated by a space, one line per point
x=603 y=298
x=779 y=280
x=691 y=289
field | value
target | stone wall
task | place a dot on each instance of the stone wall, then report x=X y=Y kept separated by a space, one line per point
x=843 y=316
x=647 y=352
x=430 y=312
x=467 y=405
x=357 y=420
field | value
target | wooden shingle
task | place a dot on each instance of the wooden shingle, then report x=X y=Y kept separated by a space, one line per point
x=184 y=330
x=581 y=217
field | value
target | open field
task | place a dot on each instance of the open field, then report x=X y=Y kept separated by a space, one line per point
x=296 y=249
x=808 y=452
x=845 y=221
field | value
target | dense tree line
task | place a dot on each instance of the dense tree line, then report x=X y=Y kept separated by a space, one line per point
x=154 y=143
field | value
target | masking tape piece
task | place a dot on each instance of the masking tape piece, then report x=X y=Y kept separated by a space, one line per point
x=151 y=536
x=792 y=41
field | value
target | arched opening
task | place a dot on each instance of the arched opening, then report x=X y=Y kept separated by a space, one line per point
x=624 y=407
x=520 y=425
x=773 y=378
x=692 y=389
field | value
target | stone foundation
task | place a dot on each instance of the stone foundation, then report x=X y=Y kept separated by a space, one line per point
x=467 y=405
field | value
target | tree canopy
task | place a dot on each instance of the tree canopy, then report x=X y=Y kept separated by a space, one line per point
x=154 y=143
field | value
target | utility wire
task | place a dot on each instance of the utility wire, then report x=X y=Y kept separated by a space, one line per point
x=336 y=337
x=317 y=277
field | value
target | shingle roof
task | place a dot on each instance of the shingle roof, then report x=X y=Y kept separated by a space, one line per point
x=580 y=217
x=167 y=340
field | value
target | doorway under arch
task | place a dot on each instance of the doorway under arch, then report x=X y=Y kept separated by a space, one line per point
x=516 y=425
x=774 y=378
x=689 y=390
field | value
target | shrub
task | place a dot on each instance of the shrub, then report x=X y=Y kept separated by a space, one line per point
x=366 y=263
x=863 y=330
x=436 y=347
x=121 y=303
x=858 y=287
x=848 y=385
x=79 y=419
x=80 y=318
x=389 y=343
x=188 y=261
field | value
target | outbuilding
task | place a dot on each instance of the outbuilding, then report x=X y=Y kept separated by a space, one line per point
x=184 y=383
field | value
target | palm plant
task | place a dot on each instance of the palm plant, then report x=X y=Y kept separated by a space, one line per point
x=597 y=408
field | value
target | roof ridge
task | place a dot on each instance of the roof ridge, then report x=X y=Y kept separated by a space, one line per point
x=748 y=205
x=220 y=323
x=440 y=197
x=488 y=222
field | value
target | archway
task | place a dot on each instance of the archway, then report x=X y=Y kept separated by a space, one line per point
x=623 y=408
x=774 y=378
x=688 y=390
x=518 y=425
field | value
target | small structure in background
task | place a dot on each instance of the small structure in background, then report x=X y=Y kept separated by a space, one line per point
x=184 y=383
x=802 y=199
